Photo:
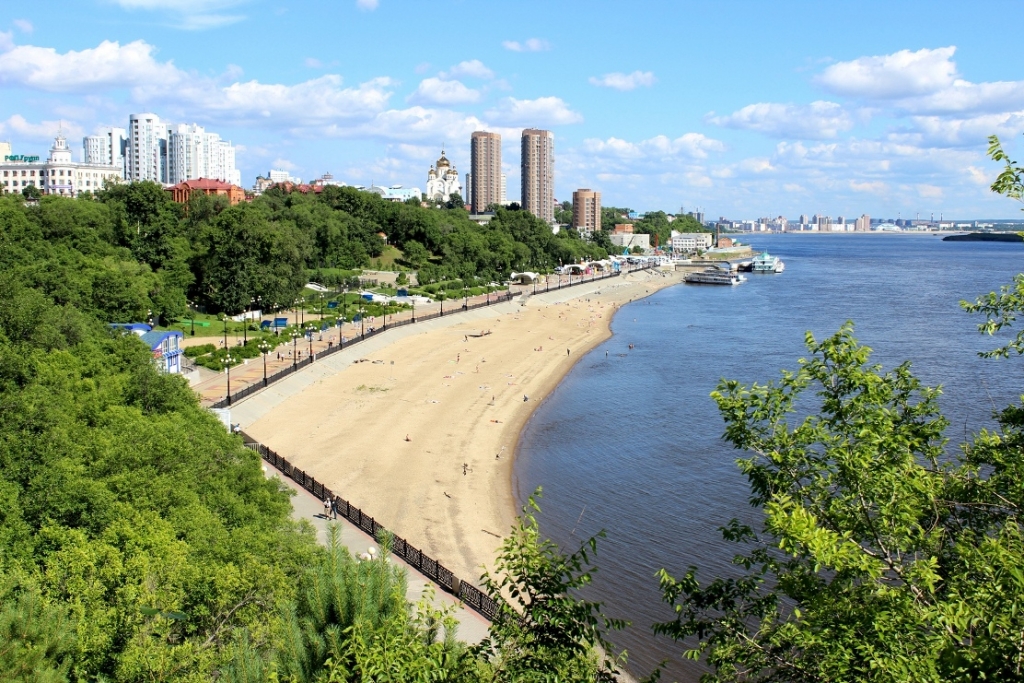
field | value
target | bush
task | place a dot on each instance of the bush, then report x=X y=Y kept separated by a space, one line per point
x=201 y=350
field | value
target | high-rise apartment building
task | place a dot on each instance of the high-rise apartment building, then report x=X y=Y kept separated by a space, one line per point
x=106 y=148
x=538 y=173
x=485 y=183
x=823 y=223
x=863 y=223
x=146 y=153
x=586 y=211
x=193 y=153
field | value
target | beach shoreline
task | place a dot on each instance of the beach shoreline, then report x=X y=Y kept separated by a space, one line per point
x=406 y=436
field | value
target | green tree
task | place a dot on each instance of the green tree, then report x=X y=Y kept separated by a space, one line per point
x=31 y=192
x=455 y=201
x=543 y=630
x=882 y=556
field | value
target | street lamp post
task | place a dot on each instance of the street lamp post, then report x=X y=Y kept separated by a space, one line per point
x=362 y=322
x=192 y=316
x=228 y=360
x=414 y=310
x=309 y=333
x=295 y=348
x=264 y=350
x=224 y=317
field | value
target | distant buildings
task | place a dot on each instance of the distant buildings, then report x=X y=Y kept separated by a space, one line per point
x=194 y=153
x=57 y=175
x=442 y=180
x=396 y=193
x=863 y=223
x=690 y=242
x=184 y=190
x=586 y=211
x=169 y=154
x=106 y=148
x=538 y=173
x=485 y=166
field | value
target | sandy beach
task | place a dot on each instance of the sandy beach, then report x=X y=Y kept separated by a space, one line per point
x=421 y=433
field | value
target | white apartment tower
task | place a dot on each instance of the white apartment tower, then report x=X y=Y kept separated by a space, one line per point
x=106 y=148
x=538 y=173
x=193 y=153
x=146 y=157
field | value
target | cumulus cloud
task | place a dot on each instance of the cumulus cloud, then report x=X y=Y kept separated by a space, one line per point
x=43 y=131
x=529 y=45
x=23 y=25
x=6 y=41
x=543 y=111
x=690 y=145
x=620 y=81
x=898 y=75
x=367 y=5
x=110 y=64
x=472 y=68
x=818 y=120
x=439 y=91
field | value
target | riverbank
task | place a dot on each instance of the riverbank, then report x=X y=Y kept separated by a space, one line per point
x=422 y=434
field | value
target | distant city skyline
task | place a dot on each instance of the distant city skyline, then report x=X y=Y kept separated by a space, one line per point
x=734 y=107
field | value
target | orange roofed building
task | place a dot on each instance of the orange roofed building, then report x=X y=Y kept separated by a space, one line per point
x=183 y=191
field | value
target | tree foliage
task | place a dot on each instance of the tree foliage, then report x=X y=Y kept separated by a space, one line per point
x=882 y=556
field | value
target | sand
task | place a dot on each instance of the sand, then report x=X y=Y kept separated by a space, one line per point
x=422 y=434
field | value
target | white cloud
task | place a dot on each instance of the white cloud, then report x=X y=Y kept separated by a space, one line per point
x=6 y=41
x=620 y=81
x=108 y=65
x=929 y=191
x=543 y=111
x=690 y=145
x=818 y=120
x=438 y=91
x=284 y=165
x=23 y=25
x=313 y=63
x=367 y=5
x=529 y=45
x=188 y=14
x=472 y=68
x=944 y=131
x=899 y=75
x=44 y=131
x=869 y=186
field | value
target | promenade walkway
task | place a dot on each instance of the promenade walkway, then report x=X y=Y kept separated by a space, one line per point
x=472 y=626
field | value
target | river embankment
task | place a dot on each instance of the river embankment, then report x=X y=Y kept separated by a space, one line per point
x=418 y=427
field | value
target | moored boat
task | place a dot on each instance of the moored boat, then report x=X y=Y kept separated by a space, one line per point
x=715 y=276
x=766 y=263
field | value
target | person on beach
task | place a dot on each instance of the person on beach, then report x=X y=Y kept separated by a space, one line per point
x=525 y=398
x=327 y=507
x=567 y=352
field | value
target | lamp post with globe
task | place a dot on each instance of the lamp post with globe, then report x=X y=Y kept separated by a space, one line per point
x=295 y=348
x=264 y=348
x=310 y=329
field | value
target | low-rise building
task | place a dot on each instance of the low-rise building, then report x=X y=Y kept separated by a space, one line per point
x=691 y=242
x=183 y=191
x=630 y=240
x=57 y=175
x=166 y=349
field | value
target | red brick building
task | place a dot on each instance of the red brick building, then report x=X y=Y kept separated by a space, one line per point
x=183 y=191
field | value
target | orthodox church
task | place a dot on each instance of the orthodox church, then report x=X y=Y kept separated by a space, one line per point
x=442 y=180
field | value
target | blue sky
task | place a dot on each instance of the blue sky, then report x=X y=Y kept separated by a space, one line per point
x=745 y=109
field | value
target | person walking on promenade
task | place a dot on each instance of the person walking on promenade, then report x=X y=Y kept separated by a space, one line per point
x=327 y=507
x=334 y=508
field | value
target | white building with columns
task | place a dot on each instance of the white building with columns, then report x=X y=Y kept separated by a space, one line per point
x=57 y=175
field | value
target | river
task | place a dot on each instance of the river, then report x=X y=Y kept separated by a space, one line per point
x=630 y=441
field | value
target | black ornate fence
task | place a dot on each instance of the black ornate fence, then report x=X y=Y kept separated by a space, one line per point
x=435 y=571
x=497 y=299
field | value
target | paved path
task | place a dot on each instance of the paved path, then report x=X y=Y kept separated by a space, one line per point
x=472 y=626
